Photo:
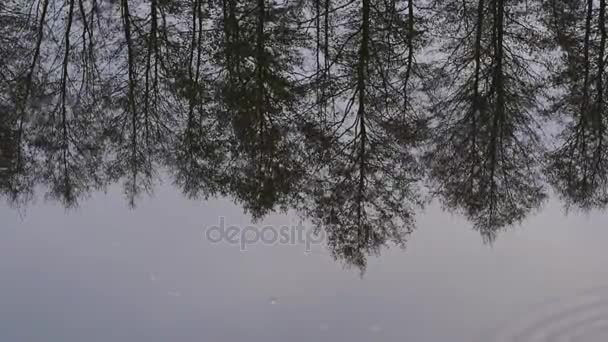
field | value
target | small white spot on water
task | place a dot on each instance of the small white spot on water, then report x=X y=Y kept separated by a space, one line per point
x=273 y=301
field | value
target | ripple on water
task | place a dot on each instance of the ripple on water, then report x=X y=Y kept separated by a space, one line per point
x=580 y=317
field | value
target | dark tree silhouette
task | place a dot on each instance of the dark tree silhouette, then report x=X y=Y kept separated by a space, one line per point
x=257 y=101
x=201 y=144
x=144 y=100
x=67 y=130
x=578 y=169
x=55 y=134
x=365 y=190
x=20 y=41
x=484 y=159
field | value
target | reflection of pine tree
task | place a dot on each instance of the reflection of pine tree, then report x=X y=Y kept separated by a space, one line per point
x=258 y=101
x=200 y=144
x=365 y=192
x=578 y=169
x=16 y=40
x=484 y=157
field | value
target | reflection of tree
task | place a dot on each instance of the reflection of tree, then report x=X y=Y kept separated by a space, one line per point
x=144 y=101
x=200 y=139
x=578 y=169
x=484 y=157
x=258 y=101
x=17 y=40
x=365 y=193
x=67 y=132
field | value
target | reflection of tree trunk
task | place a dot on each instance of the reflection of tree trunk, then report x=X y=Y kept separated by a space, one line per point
x=235 y=40
x=87 y=40
x=151 y=91
x=600 y=64
x=585 y=108
x=477 y=53
x=361 y=68
x=599 y=110
x=64 y=79
x=410 y=51
x=318 y=39
x=478 y=106
x=586 y=65
x=126 y=17
x=600 y=57
x=194 y=70
x=260 y=98
x=499 y=91
x=21 y=106
x=326 y=57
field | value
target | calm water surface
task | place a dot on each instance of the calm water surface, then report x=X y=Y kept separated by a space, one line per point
x=107 y=273
x=349 y=113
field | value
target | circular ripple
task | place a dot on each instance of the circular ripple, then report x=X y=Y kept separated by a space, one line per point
x=580 y=317
x=596 y=333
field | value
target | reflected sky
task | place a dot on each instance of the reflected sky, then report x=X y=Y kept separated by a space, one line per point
x=108 y=273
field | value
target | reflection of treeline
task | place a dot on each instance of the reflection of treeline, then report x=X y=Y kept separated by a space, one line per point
x=339 y=109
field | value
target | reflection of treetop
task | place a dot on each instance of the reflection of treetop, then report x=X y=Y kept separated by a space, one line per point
x=340 y=109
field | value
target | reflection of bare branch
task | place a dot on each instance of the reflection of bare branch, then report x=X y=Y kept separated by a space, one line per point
x=364 y=193
x=126 y=19
x=21 y=107
x=484 y=157
x=68 y=192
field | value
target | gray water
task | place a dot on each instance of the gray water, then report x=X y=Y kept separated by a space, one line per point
x=107 y=273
